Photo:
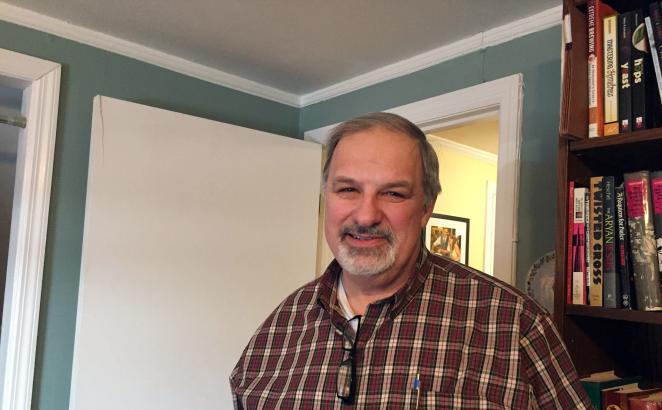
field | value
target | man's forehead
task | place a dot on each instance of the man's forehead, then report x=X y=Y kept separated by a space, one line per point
x=377 y=154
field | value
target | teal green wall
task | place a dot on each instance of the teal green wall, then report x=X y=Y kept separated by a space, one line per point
x=86 y=72
x=537 y=57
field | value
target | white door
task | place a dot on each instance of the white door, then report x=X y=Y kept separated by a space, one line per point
x=194 y=231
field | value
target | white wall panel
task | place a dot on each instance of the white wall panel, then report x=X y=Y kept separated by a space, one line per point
x=194 y=231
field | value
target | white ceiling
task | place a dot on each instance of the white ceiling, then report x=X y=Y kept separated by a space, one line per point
x=482 y=134
x=296 y=46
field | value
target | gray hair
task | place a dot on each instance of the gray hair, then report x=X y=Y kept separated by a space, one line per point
x=393 y=122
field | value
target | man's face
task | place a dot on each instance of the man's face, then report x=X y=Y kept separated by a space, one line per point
x=375 y=206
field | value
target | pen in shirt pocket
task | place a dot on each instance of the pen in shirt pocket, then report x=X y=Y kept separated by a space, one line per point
x=417 y=388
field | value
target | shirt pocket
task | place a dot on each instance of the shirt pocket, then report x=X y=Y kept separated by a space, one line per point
x=437 y=400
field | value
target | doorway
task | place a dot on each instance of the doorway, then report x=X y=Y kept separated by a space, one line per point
x=38 y=83
x=468 y=158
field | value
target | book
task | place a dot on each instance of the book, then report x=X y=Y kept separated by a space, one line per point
x=579 y=247
x=596 y=11
x=625 y=71
x=643 y=250
x=616 y=398
x=656 y=195
x=611 y=287
x=623 y=249
x=596 y=382
x=595 y=290
x=654 y=29
x=574 y=92
x=570 y=279
x=642 y=77
x=587 y=245
x=651 y=401
x=610 y=56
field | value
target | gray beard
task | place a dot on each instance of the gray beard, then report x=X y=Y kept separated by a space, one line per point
x=366 y=261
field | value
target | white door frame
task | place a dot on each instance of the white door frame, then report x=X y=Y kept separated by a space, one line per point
x=490 y=221
x=505 y=96
x=32 y=191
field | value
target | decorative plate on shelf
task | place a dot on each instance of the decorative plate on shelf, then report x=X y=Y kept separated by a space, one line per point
x=540 y=281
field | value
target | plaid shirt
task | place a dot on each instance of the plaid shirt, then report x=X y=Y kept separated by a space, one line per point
x=476 y=343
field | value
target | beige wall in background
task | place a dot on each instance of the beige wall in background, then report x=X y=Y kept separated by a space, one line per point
x=464 y=189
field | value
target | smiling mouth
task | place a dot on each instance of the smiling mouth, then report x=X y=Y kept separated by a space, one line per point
x=364 y=237
x=366 y=234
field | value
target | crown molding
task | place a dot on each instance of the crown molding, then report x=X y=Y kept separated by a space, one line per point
x=519 y=28
x=502 y=34
x=446 y=144
x=60 y=28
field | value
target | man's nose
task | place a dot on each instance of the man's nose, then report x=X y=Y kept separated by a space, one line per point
x=368 y=211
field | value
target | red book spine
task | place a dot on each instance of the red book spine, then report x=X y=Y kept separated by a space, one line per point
x=579 y=247
x=596 y=12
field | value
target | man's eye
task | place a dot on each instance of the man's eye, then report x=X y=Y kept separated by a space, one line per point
x=394 y=194
x=346 y=189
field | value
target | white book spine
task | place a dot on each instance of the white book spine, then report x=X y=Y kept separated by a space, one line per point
x=654 y=55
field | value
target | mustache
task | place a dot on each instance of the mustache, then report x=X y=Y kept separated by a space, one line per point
x=355 y=229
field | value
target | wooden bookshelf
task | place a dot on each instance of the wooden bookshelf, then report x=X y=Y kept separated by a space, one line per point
x=622 y=140
x=598 y=339
x=653 y=318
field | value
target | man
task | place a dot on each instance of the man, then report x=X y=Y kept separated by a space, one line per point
x=389 y=325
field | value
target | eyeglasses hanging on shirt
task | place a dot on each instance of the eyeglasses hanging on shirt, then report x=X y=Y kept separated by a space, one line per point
x=346 y=376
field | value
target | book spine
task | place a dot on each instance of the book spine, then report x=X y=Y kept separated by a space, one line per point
x=610 y=75
x=595 y=297
x=653 y=42
x=587 y=245
x=643 y=403
x=625 y=65
x=656 y=22
x=624 y=270
x=640 y=72
x=610 y=285
x=579 y=248
x=614 y=400
x=617 y=399
x=570 y=241
x=656 y=194
x=596 y=10
x=643 y=251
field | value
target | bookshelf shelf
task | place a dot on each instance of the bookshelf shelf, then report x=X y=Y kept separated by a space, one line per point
x=599 y=339
x=621 y=140
x=654 y=318
x=629 y=152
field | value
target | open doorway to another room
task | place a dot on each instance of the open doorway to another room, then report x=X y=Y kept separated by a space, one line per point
x=30 y=95
x=463 y=224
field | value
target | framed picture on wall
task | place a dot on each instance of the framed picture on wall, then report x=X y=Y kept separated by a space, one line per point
x=448 y=236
